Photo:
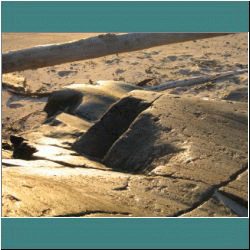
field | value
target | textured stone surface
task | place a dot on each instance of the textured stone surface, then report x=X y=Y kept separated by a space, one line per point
x=211 y=208
x=74 y=121
x=239 y=187
x=188 y=137
x=50 y=191
x=100 y=137
x=186 y=149
x=14 y=81
x=99 y=97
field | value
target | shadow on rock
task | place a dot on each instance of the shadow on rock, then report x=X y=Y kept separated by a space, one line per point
x=240 y=95
x=139 y=146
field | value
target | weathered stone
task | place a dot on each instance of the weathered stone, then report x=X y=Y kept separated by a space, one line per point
x=135 y=150
x=31 y=163
x=13 y=81
x=202 y=140
x=28 y=195
x=62 y=135
x=62 y=191
x=236 y=204
x=239 y=187
x=240 y=94
x=88 y=101
x=53 y=155
x=189 y=147
x=74 y=121
x=100 y=137
x=51 y=151
x=6 y=154
x=76 y=161
x=21 y=148
x=218 y=206
x=211 y=208
x=163 y=196
x=63 y=100
x=99 y=97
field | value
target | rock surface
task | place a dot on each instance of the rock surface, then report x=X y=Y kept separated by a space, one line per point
x=14 y=81
x=184 y=155
x=183 y=150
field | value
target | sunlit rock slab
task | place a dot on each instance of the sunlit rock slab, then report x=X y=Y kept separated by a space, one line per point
x=189 y=138
x=61 y=191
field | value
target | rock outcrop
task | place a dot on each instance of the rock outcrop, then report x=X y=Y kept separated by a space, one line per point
x=150 y=154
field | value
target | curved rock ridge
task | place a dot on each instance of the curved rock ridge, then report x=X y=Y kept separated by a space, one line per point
x=149 y=155
x=88 y=101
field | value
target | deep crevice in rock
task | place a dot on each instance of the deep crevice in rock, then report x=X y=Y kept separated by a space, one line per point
x=210 y=192
x=102 y=135
x=123 y=139
x=92 y=212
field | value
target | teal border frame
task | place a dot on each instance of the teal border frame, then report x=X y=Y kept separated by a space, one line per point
x=124 y=16
x=125 y=233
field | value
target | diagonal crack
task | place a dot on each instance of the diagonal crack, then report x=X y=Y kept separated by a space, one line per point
x=210 y=192
x=88 y=212
x=171 y=176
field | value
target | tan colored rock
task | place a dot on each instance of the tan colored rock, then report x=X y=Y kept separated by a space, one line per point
x=99 y=97
x=238 y=187
x=14 y=81
x=183 y=148
x=74 y=121
x=28 y=195
x=211 y=208
x=187 y=134
x=31 y=163
x=62 y=191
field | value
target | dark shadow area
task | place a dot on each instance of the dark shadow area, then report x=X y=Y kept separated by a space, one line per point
x=66 y=100
x=234 y=117
x=240 y=95
x=86 y=106
x=92 y=212
x=235 y=198
x=136 y=150
x=234 y=120
x=101 y=136
x=21 y=148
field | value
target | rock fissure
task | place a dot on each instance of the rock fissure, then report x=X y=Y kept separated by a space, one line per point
x=101 y=136
x=210 y=192
x=184 y=150
x=171 y=176
x=65 y=164
x=89 y=212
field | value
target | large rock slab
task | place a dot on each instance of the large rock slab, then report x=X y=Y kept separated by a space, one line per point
x=171 y=159
x=74 y=121
x=212 y=208
x=61 y=191
x=48 y=155
x=37 y=195
x=99 y=97
x=238 y=187
x=187 y=138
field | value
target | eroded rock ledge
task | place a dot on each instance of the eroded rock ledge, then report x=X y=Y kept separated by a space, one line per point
x=149 y=155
